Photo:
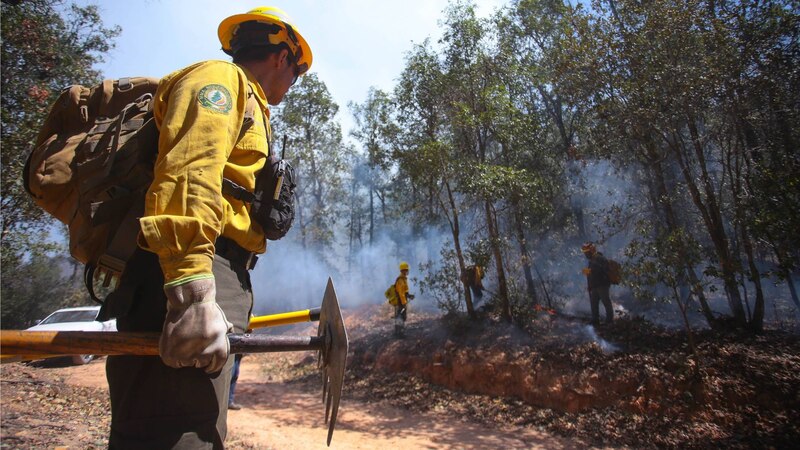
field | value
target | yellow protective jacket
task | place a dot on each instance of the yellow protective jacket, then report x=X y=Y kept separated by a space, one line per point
x=199 y=111
x=401 y=285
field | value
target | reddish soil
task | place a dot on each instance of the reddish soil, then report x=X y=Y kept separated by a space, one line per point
x=457 y=384
x=58 y=405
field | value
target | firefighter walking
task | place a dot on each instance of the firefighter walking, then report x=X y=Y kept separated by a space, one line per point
x=190 y=276
x=401 y=301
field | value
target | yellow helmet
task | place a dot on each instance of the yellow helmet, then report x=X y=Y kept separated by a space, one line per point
x=403 y=265
x=287 y=33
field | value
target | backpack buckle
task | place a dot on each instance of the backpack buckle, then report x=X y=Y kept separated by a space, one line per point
x=109 y=267
x=124 y=84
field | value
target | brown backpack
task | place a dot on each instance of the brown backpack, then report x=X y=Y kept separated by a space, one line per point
x=614 y=272
x=91 y=166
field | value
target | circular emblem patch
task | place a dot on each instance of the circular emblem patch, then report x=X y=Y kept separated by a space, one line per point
x=216 y=98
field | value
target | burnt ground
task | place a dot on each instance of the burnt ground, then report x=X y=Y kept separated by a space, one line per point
x=631 y=384
x=628 y=384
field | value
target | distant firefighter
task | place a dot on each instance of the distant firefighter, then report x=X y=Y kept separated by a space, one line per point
x=598 y=282
x=473 y=278
x=399 y=297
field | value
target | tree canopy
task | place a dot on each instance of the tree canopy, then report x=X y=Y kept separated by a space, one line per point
x=47 y=45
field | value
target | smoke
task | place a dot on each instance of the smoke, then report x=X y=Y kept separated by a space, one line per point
x=289 y=277
x=599 y=194
x=606 y=346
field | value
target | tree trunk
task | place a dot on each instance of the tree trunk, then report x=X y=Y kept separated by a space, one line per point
x=689 y=333
x=502 y=285
x=793 y=291
x=712 y=219
x=544 y=288
x=785 y=272
x=371 y=212
x=757 y=321
x=298 y=202
x=455 y=229
x=352 y=226
x=525 y=256
x=663 y=198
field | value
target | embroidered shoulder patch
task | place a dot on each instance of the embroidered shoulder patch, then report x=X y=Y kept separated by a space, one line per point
x=216 y=98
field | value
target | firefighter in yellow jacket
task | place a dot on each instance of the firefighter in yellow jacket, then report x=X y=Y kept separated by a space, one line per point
x=189 y=278
x=403 y=297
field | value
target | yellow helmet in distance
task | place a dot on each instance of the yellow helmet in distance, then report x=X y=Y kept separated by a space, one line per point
x=286 y=33
x=403 y=265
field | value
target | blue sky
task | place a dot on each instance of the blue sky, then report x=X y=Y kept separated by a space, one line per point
x=356 y=43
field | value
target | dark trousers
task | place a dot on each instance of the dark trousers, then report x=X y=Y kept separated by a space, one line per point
x=400 y=311
x=597 y=295
x=155 y=406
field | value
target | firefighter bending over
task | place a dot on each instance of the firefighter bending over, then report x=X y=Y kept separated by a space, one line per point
x=473 y=278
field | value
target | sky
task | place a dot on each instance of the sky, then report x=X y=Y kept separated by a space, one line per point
x=356 y=43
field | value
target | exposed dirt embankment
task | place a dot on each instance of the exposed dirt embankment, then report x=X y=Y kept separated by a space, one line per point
x=506 y=374
x=498 y=360
x=630 y=383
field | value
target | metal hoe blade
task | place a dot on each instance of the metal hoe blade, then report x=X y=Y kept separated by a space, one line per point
x=332 y=356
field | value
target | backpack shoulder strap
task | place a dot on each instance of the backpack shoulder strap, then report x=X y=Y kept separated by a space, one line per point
x=249 y=112
x=229 y=187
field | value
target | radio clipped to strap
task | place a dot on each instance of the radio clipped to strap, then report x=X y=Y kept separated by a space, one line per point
x=272 y=201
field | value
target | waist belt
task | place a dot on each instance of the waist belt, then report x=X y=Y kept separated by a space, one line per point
x=234 y=253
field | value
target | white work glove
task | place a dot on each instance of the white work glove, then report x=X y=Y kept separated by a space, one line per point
x=195 y=329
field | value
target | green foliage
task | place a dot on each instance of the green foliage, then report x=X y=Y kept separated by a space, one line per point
x=701 y=92
x=318 y=155
x=373 y=170
x=661 y=262
x=479 y=252
x=45 y=47
x=441 y=282
x=42 y=52
x=38 y=284
x=375 y=127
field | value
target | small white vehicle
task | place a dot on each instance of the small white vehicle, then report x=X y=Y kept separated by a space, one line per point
x=75 y=319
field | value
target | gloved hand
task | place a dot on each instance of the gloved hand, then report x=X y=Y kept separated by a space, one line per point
x=410 y=296
x=195 y=329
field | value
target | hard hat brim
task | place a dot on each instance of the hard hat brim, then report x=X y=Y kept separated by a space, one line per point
x=227 y=26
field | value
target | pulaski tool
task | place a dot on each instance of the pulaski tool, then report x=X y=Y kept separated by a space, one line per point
x=272 y=320
x=331 y=342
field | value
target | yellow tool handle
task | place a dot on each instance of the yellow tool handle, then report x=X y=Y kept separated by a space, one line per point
x=272 y=320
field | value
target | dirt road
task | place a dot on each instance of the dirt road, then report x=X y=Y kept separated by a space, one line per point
x=278 y=415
